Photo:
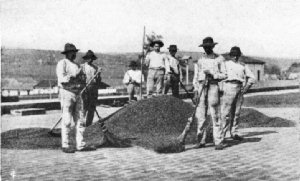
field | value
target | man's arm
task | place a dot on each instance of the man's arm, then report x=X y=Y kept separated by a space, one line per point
x=99 y=78
x=167 y=63
x=62 y=75
x=147 y=60
x=250 y=80
x=126 y=79
x=195 y=78
x=221 y=74
x=180 y=73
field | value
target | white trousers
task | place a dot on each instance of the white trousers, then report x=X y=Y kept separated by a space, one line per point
x=231 y=104
x=72 y=109
x=209 y=100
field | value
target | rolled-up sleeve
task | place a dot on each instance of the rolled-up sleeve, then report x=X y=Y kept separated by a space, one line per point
x=167 y=63
x=126 y=78
x=195 y=78
x=249 y=76
x=61 y=73
x=221 y=74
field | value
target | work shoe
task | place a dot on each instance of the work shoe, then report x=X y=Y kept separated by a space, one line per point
x=237 y=137
x=87 y=148
x=68 y=150
x=220 y=146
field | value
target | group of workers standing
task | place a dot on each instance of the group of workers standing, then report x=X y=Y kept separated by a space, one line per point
x=164 y=72
x=219 y=86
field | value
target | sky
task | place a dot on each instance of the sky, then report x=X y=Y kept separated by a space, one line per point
x=269 y=28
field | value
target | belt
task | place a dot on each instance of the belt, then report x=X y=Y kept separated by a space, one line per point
x=210 y=81
x=233 y=81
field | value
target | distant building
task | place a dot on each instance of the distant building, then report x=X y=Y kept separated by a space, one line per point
x=271 y=77
x=256 y=66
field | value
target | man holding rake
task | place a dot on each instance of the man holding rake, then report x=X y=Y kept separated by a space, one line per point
x=71 y=81
x=240 y=79
x=91 y=93
x=209 y=70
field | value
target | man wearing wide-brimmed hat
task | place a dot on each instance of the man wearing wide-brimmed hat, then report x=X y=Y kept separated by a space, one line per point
x=239 y=80
x=71 y=81
x=91 y=93
x=132 y=79
x=174 y=76
x=158 y=65
x=209 y=70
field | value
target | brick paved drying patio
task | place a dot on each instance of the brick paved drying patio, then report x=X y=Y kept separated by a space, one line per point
x=266 y=154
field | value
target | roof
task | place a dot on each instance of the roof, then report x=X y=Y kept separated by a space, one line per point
x=45 y=84
x=250 y=60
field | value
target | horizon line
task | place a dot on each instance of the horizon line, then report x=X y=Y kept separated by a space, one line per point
x=114 y=52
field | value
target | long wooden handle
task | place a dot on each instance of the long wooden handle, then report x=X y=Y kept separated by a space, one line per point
x=56 y=124
x=187 y=127
x=90 y=81
x=187 y=92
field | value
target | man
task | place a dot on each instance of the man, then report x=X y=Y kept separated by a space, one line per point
x=91 y=93
x=71 y=81
x=133 y=79
x=209 y=70
x=174 y=76
x=158 y=65
x=239 y=80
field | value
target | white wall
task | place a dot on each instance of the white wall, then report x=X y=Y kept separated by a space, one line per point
x=255 y=68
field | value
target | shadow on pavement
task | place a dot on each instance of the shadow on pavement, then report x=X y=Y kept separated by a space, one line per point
x=256 y=133
x=245 y=140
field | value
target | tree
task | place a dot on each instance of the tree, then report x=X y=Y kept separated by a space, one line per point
x=272 y=69
x=295 y=67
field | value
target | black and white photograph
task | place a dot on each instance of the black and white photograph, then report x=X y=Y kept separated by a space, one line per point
x=164 y=90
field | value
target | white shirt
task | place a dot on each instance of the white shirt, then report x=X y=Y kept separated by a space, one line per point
x=90 y=70
x=213 y=63
x=157 y=60
x=66 y=69
x=135 y=76
x=174 y=64
x=239 y=71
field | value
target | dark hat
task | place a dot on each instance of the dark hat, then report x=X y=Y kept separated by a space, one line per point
x=208 y=41
x=161 y=44
x=132 y=64
x=173 y=47
x=89 y=55
x=235 y=51
x=69 y=47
